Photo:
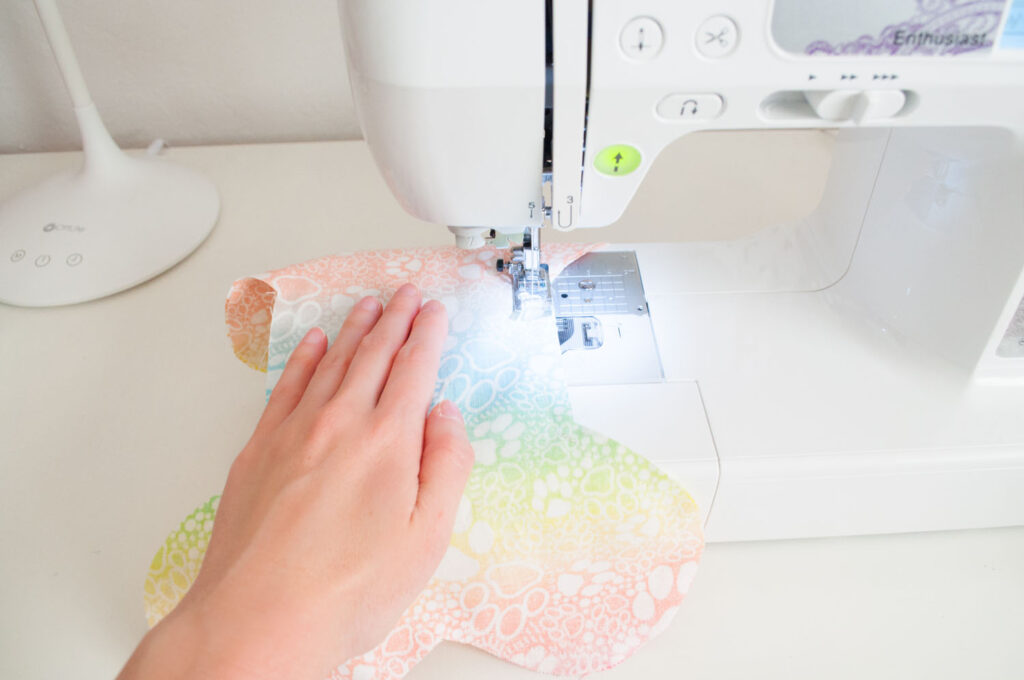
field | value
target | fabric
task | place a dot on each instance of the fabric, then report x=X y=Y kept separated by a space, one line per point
x=569 y=550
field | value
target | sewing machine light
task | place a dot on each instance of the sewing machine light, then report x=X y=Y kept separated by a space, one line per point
x=116 y=222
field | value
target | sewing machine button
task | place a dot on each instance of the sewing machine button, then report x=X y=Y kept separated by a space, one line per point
x=641 y=38
x=74 y=259
x=717 y=37
x=690 y=107
x=18 y=255
x=42 y=260
x=617 y=159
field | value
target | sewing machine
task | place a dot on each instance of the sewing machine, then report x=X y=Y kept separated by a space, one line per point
x=858 y=370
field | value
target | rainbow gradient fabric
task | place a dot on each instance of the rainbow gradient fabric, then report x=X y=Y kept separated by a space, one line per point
x=569 y=550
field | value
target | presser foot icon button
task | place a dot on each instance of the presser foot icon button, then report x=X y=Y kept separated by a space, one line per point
x=617 y=160
x=18 y=255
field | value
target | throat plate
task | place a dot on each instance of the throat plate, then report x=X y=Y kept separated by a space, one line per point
x=604 y=323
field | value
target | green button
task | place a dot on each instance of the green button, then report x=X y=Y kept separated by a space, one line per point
x=617 y=159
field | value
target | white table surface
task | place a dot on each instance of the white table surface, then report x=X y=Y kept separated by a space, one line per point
x=118 y=416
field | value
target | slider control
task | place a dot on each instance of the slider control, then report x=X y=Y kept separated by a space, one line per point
x=858 y=106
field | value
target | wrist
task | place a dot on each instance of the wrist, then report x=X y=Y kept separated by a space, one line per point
x=169 y=650
x=181 y=646
x=259 y=633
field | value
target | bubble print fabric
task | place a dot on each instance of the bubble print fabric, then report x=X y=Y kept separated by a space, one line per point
x=569 y=550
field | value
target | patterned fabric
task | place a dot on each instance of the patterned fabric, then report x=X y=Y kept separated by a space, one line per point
x=569 y=550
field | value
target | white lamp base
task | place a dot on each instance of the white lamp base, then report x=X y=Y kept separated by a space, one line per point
x=76 y=237
x=84 y=235
x=109 y=226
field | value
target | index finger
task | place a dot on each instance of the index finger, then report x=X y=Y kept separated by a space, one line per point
x=410 y=384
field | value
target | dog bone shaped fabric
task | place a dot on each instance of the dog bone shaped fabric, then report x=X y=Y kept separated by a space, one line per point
x=569 y=550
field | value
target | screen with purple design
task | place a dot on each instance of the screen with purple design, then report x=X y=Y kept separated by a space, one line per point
x=889 y=28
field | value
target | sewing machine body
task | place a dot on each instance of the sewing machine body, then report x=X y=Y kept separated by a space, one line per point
x=858 y=370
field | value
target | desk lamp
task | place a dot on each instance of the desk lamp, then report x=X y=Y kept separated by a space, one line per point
x=113 y=223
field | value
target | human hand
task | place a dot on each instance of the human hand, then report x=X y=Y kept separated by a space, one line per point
x=336 y=512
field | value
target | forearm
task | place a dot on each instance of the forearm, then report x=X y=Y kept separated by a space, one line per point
x=214 y=643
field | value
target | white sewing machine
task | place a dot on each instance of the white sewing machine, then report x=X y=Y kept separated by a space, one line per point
x=859 y=370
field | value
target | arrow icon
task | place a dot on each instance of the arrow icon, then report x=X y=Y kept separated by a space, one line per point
x=615 y=160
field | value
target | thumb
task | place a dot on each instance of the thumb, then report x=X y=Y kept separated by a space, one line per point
x=444 y=467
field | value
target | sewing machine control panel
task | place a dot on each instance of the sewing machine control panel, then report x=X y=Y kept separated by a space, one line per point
x=677 y=68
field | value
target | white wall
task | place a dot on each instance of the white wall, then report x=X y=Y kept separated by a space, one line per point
x=189 y=71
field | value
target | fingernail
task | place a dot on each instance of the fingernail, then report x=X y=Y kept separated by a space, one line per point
x=368 y=304
x=313 y=336
x=407 y=290
x=447 y=409
x=432 y=306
